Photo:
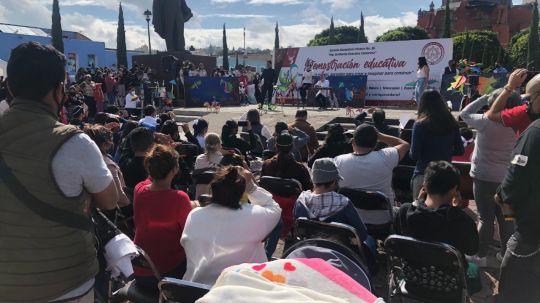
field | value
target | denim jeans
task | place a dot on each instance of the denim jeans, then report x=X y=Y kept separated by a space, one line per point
x=488 y=211
x=520 y=272
x=272 y=240
x=419 y=89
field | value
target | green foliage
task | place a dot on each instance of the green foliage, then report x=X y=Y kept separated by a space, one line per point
x=518 y=49
x=362 y=38
x=447 y=30
x=476 y=46
x=533 y=50
x=276 y=39
x=225 y=50
x=403 y=33
x=121 y=49
x=332 y=33
x=342 y=34
x=56 y=29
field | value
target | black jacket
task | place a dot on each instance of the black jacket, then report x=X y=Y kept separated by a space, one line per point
x=447 y=224
x=520 y=186
x=330 y=151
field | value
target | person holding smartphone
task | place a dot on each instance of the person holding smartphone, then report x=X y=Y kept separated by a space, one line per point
x=230 y=139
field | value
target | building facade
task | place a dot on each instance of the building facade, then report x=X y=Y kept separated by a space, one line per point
x=499 y=16
x=80 y=51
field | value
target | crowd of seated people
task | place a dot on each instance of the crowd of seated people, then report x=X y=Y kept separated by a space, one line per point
x=150 y=181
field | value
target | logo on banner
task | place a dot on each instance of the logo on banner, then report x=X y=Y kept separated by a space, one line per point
x=434 y=52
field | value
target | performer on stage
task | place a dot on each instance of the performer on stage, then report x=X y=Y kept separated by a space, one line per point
x=322 y=95
x=307 y=82
x=269 y=80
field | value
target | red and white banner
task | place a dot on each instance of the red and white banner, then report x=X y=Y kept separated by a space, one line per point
x=390 y=66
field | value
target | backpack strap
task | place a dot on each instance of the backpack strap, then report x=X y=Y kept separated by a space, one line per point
x=41 y=208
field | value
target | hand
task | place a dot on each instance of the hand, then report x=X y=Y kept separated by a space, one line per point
x=248 y=127
x=517 y=78
x=498 y=199
x=422 y=196
x=112 y=125
x=163 y=139
x=185 y=127
x=371 y=110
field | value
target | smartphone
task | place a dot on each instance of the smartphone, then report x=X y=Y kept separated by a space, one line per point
x=242 y=123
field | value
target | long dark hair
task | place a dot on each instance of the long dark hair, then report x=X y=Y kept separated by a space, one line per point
x=228 y=187
x=422 y=62
x=228 y=130
x=284 y=158
x=434 y=113
x=254 y=117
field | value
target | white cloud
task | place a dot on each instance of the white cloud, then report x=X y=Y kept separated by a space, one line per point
x=276 y=2
x=235 y=16
x=225 y=1
x=340 y=4
x=259 y=28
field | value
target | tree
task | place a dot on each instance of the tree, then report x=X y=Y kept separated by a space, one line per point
x=121 y=49
x=237 y=61
x=447 y=30
x=518 y=49
x=342 y=35
x=533 y=49
x=466 y=42
x=276 y=39
x=225 y=50
x=362 y=31
x=403 y=33
x=56 y=29
x=476 y=45
x=332 y=34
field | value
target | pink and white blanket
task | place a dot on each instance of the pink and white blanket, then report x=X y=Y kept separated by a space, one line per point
x=287 y=280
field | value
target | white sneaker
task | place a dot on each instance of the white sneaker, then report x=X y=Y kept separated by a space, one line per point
x=480 y=261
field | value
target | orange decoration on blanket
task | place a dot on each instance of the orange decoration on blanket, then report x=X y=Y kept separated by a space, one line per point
x=289 y=267
x=268 y=274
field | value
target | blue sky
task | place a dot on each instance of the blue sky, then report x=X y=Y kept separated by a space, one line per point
x=299 y=20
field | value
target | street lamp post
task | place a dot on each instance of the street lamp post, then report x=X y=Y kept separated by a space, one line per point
x=148 y=14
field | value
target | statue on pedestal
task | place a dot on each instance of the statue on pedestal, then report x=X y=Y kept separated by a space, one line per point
x=168 y=21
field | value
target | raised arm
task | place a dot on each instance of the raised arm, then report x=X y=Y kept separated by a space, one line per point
x=515 y=81
x=470 y=113
x=401 y=145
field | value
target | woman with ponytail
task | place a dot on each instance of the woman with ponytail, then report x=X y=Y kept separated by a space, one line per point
x=283 y=165
x=228 y=232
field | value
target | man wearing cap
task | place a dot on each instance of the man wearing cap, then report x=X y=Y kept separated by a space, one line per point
x=368 y=169
x=323 y=203
x=283 y=165
x=300 y=122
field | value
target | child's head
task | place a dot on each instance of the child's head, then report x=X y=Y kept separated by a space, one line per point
x=161 y=162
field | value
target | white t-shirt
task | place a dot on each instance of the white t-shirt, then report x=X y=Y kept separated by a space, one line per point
x=308 y=78
x=148 y=120
x=422 y=72
x=324 y=83
x=208 y=160
x=371 y=172
x=131 y=100
x=79 y=165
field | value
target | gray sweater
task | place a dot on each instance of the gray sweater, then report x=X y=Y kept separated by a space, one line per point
x=494 y=144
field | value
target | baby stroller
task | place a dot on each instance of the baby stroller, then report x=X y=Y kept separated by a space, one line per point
x=338 y=255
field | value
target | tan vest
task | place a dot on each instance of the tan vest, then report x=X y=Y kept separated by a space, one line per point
x=40 y=259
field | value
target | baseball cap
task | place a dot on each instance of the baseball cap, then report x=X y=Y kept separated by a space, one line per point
x=324 y=171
